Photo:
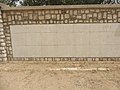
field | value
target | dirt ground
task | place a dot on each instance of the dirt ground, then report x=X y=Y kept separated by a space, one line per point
x=29 y=75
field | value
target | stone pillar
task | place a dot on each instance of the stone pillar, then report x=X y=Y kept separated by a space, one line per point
x=3 y=53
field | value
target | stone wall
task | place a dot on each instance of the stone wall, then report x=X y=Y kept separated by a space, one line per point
x=62 y=16
x=3 y=53
x=53 y=15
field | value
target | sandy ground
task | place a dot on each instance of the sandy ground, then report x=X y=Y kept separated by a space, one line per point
x=60 y=76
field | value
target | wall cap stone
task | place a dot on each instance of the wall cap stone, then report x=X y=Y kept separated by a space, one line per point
x=5 y=7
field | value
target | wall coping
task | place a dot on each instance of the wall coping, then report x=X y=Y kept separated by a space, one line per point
x=6 y=7
x=3 y=5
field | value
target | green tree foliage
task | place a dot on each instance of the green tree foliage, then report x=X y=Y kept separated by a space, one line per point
x=60 y=2
x=74 y=2
x=57 y=2
x=33 y=2
x=9 y=2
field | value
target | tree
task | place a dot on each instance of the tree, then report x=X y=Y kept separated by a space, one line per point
x=57 y=2
x=9 y=2
x=33 y=2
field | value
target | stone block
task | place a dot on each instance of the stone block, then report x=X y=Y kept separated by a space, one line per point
x=75 y=12
x=1 y=20
x=3 y=55
x=119 y=14
x=109 y=16
x=41 y=17
x=1 y=40
x=2 y=44
x=51 y=11
x=95 y=15
x=84 y=16
x=4 y=51
x=1 y=25
x=2 y=48
x=86 y=11
x=58 y=18
x=4 y=15
x=66 y=16
x=89 y=15
x=2 y=36
x=48 y=16
x=9 y=18
x=47 y=12
x=56 y=11
x=4 y=59
x=97 y=10
x=1 y=29
x=1 y=33
x=53 y=17
x=79 y=17
x=114 y=16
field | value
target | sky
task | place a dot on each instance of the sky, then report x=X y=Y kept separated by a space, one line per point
x=18 y=3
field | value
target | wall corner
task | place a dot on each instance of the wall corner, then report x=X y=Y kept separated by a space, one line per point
x=3 y=52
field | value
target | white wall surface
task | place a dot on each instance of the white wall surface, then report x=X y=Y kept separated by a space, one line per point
x=66 y=40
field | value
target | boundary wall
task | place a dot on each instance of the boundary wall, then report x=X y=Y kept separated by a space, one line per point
x=71 y=14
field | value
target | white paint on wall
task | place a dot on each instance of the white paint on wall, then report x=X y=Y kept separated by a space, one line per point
x=66 y=40
x=79 y=69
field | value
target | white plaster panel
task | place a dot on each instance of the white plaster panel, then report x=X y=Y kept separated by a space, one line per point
x=66 y=40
